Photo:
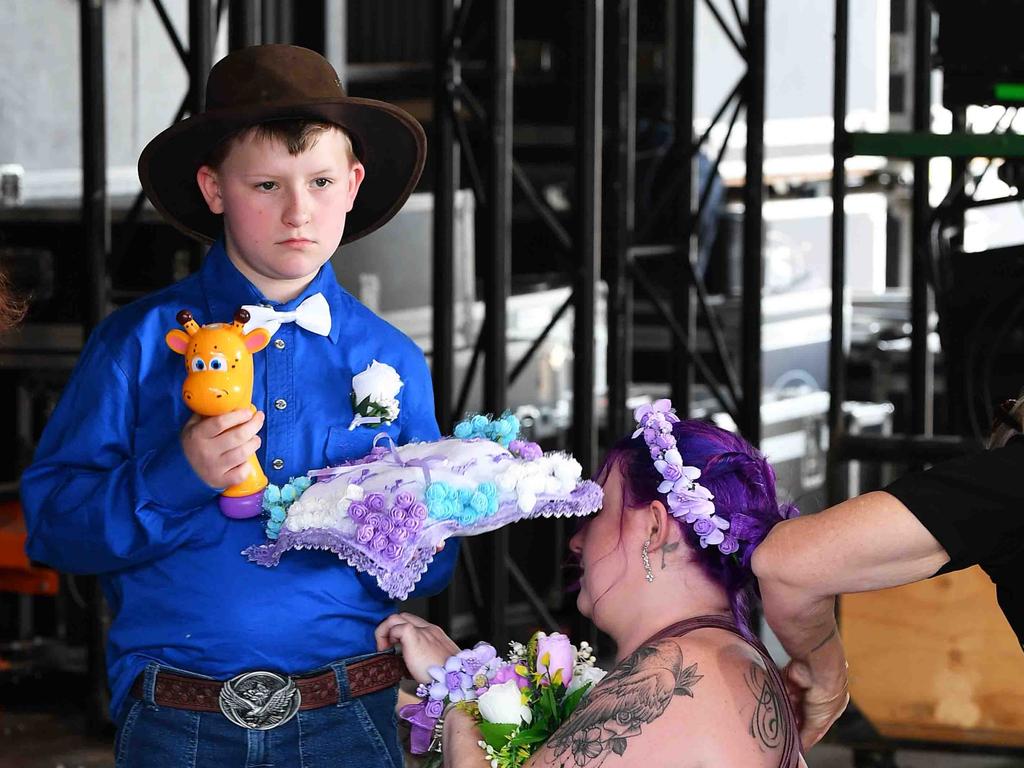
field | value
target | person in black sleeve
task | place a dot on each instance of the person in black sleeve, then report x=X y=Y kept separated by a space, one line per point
x=969 y=511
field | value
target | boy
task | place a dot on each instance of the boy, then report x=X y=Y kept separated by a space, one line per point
x=202 y=639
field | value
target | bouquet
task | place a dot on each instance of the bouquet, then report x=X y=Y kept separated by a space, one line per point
x=518 y=702
x=386 y=513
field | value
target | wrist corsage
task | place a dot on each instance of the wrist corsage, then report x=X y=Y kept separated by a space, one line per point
x=517 y=702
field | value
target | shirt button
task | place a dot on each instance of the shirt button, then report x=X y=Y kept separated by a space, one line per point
x=279 y=343
x=280 y=403
x=277 y=463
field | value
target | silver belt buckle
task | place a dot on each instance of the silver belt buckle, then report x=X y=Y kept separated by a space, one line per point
x=259 y=700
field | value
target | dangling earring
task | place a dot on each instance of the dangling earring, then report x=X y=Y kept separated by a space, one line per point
x=645 y=557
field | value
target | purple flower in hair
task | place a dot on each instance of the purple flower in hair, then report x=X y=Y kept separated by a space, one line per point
x=670 y=472
x=728 y=545
x=656 y=453
x=665 y=441
x=703 y=526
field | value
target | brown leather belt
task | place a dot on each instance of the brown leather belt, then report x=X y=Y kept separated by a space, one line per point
x=201 y=695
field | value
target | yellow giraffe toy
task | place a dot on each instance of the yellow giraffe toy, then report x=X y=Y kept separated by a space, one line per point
x=218 y=358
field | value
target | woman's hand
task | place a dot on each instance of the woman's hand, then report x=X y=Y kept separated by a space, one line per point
x=817 y=704
x=424 y=645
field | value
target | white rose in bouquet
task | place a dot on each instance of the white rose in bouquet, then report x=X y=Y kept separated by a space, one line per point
x=585 y=675
x=503 y=703
x=375 y=395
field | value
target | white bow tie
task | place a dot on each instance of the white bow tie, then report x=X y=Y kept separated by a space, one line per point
x=313 y=314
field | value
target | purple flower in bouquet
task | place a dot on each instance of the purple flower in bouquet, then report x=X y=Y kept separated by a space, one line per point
x=376 y=502
x=365 y=534
x=404 y=499
x=434 y=709
x=508 y=672
x=477 y=658
x=554 y=655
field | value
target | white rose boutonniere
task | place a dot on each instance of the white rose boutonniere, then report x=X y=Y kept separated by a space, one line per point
x=375 y=395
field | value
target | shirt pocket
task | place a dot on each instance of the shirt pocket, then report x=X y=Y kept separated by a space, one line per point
x=344 y=444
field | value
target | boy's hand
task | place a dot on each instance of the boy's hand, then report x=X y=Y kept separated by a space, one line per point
x=218 y=447
x=423 y=644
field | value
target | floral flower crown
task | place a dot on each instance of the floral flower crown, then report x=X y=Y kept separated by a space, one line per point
x=688 y=500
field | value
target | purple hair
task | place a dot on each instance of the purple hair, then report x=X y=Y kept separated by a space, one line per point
x=743 y=483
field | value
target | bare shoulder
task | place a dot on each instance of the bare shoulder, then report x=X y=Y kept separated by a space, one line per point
x=695 y=696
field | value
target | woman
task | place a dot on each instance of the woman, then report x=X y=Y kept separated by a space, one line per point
x=666 y=574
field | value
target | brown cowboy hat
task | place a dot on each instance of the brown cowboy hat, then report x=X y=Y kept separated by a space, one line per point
x=281 y=82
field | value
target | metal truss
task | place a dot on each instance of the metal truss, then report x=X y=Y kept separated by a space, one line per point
x=737 y=393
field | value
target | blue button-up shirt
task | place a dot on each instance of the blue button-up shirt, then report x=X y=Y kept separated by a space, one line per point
x=110 y=491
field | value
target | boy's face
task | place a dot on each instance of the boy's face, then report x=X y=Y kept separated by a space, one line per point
x=284 y=215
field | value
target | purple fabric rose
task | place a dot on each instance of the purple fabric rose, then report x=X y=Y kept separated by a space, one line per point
x=418 y=510
x=404 y=499
x=365 y=534
x=665 y=442
x=384 y=525
x=379 y=542
x=376 y=502
x=397 y=514
x=412 y=524
x=656 y=453
x=399 y=535
x=358 y=511
x=393 y=551
x=453 y=680
x=670 y=472
x=728 y=545
x=434 y=709
x=703 y=526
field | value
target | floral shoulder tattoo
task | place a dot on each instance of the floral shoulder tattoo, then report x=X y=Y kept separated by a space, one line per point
x=633 y=694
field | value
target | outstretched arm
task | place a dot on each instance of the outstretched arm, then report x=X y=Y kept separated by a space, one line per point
x=869 y=542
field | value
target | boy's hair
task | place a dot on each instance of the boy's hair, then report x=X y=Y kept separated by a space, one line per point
x=297 y=135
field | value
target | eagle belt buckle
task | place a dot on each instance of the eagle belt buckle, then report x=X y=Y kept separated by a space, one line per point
x=259 y=700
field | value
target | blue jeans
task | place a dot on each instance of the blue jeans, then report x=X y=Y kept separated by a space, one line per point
x=354 y=732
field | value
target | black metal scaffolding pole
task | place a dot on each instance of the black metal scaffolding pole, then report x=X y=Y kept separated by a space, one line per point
x=921 y=369
x=200 y=51
x=446 y=174
x=96 y=242
x=837 y=350
x=753 y=197
x=621 y=207
x=684 y=305
x=496 y=292
x=244 y=23
x=590 y=40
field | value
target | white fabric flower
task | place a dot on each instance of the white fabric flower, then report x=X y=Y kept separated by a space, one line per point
x=354 y=492
x=503 y=703
x=375 y=395
x=584 y=675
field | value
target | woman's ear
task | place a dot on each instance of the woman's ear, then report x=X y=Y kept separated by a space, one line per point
x=659 y=523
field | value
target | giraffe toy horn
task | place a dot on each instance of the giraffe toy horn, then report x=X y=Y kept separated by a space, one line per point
x=188 y=322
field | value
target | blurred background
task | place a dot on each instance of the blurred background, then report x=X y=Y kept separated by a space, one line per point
x=798 y=218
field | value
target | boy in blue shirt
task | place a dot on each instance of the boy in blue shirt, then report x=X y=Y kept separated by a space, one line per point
x=214 y=660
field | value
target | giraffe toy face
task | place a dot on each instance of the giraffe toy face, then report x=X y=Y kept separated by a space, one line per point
x=218 y=361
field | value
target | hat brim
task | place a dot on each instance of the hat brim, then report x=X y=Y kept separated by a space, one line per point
x=389 y=142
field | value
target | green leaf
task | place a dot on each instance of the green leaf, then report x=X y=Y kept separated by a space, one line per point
x=573 y=700
x=533 y=736
x=496 y=734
